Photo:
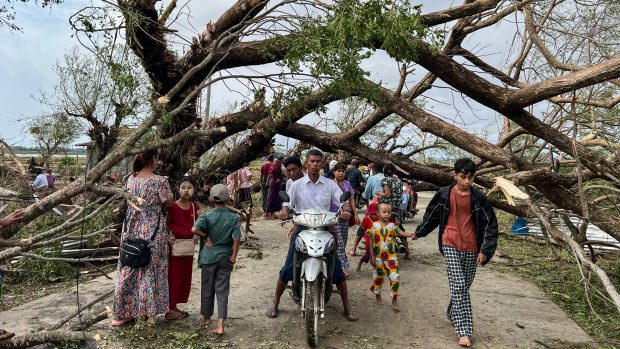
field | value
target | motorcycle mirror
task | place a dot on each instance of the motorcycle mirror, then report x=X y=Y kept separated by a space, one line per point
x=345 y=196
x=284 y=196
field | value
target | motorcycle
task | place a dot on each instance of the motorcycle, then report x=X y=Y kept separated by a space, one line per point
x=314 y=260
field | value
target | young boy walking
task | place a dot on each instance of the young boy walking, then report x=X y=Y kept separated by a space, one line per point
x=219 y=232
x=467 y=236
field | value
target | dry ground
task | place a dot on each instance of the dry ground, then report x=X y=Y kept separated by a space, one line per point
x=509 y=312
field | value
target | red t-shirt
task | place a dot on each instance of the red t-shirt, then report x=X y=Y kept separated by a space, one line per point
x=181 y=221
x=264 y=172
x=460 y=231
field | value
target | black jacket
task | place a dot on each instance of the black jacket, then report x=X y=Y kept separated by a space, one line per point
x=355 y=177
x=485 y=221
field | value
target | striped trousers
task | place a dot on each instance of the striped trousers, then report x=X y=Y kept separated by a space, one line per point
x=343 y=235
x=461 y=271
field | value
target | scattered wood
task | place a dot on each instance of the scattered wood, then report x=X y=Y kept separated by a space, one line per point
x=79 y=326
x=81 y=309
x=32 y=339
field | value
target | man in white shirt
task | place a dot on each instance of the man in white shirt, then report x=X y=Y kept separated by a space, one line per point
x=40 y=184
x=312 y=191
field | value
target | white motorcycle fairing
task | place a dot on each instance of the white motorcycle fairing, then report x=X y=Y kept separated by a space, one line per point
x=312 y=267
x=316 y=243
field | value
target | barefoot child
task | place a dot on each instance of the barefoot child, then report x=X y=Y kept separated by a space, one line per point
x=383 y=257
x=219 y=232
x=467 y=236
x=181 y=217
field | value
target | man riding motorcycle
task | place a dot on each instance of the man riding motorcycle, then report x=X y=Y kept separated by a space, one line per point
x=312 y=191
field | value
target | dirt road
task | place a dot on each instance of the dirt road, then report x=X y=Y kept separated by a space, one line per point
x=509 y=312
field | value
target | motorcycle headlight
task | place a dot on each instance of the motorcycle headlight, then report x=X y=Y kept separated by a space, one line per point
x=300 y=245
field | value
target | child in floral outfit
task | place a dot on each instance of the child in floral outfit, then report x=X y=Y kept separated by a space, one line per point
x=382 y=236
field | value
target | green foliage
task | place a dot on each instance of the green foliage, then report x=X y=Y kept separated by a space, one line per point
x=53 y=133
x=335 y=44
x=257 y=255
x=143 y=335
x=69 y=166
x=36 y=271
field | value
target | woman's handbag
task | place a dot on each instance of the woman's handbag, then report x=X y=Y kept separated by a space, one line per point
x=184 y=247
x=135 y=252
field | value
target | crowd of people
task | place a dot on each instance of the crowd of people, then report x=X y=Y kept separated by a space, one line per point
x=467 y=233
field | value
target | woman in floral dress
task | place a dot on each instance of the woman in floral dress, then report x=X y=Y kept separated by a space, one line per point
x=143 y=292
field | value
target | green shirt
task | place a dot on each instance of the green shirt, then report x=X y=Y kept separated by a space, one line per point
x=222 y=227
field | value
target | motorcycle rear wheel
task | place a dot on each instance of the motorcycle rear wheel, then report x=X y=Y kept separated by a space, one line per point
x=312 y=300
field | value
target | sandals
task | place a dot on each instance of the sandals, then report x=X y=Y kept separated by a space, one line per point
x=119 y=323
x=182 y=315
x=4 y=335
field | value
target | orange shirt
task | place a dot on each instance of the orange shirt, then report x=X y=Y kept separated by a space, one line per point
x=460 y=231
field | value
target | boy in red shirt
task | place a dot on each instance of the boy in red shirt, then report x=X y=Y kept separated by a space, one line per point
x=467 y=236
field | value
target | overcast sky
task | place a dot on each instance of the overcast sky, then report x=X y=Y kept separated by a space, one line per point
x=27 y=59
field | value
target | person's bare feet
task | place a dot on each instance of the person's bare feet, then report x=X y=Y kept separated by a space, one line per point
x=378 y=299
x=465 y=342
x=350 y=316
x=395 y=306
x=352 y=252
x=4 y=335
x=206 y=322
x=272 y=312
x=219 y=330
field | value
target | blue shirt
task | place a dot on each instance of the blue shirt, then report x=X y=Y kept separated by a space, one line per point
x=374 y=183
x=40 y=182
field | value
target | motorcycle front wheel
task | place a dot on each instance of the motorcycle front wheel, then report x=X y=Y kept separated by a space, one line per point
x=312 y=303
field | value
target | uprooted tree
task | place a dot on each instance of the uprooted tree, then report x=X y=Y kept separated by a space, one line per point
x=555 y=100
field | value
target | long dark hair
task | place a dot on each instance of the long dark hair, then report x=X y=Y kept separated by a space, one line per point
x=389 y=169
x=144 y=159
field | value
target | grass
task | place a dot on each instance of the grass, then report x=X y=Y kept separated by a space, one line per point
x=258 y=254
x=563 y=284
x=145 y=336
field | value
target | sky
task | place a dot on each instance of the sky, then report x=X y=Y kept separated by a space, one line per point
x=28 y=57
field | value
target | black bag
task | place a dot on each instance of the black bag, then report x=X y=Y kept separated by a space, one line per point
x=135 y=252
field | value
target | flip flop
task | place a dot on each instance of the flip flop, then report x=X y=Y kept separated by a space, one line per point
x=181 y=316
x=123 y=322
x=4 y=335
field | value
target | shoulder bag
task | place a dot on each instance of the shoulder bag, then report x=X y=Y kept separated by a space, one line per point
x=184 y=247
x=135 y=252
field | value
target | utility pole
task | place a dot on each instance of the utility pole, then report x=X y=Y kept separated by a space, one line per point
x=203 y=158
